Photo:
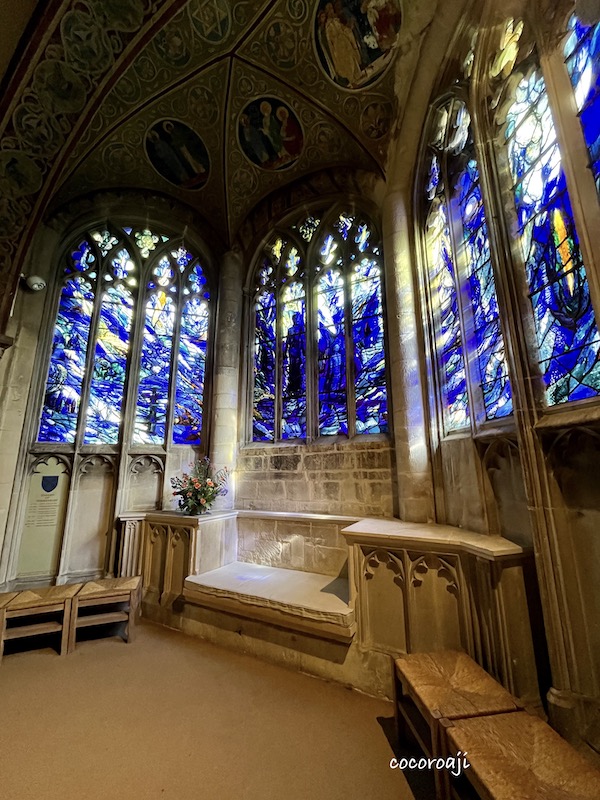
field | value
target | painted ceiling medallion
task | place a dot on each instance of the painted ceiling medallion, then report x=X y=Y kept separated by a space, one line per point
x=178 y=154
x=270 y=134
x=355 y=39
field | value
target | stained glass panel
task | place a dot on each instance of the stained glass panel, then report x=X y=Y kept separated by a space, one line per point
x=105 y=402
x=568 y=338
x=449 y=343
x=155 y=370
x=191 y=369
x=67 y=362
x=491 y=353
x=265 y=341
x=333 y=411
x=369 y=350
x=293 y=362
x=582 y=53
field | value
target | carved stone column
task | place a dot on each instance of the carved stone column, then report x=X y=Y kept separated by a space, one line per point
x=224 y=432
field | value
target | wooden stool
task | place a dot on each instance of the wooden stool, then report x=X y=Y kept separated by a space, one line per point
x=448 y=684
x=520 y=756
x=106 y=601
x=21 y=613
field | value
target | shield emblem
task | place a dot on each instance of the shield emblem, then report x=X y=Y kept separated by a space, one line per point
x=49 y=483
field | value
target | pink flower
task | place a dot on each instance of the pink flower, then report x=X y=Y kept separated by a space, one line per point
x=202 y=500
x=209 y=482
x=189 y=494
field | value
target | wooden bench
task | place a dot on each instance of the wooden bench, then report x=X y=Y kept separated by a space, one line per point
x=36 y=612
x=518 y=756
x=66 y=609
x=447 y=685
x=106 y=601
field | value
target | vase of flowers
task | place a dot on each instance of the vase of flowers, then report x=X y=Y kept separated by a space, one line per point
x=198 y=489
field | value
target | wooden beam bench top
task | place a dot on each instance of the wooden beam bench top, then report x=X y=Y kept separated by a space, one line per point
x=520 y=756
x=39 y=598
x=107 y=587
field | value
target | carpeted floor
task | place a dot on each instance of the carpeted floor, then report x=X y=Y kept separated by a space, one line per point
x=169 y=717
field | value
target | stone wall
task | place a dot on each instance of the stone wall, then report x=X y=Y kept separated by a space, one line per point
x=353 y=478
x=311 y=545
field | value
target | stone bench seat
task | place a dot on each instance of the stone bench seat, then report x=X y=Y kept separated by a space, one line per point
x=303 y=601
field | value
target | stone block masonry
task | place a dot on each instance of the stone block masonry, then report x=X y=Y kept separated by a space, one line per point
x=354 y=478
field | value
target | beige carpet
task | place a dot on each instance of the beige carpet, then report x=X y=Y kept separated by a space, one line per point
x=173 y=718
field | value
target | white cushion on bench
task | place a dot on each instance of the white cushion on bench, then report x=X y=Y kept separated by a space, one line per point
x=305 y=595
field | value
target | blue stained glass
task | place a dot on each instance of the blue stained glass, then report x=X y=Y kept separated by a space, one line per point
x=333 y=411
x=491 y=353
x=329 y=250
x=155 y=370
x=293 y=362
x=362 y=237
x=82 y=258
x=434 y=181
x=449 y=343
x=582 y=53
x=343 y=225
x=67 y=362
x=103 y=419
x=369 y=352
x=191 y=369
x=567 y=334
x=292 y=263
x=163 y=272
x=265 y=338
x=182 y=257
x=122 y=265
x=197 y=281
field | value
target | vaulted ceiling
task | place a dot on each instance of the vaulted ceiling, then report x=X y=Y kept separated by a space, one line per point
x=213 y=102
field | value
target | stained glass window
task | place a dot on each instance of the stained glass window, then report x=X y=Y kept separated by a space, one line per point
x=460 y=274
x=319 y=353
x=582 y=54
x=567 y=334
x=92 y=363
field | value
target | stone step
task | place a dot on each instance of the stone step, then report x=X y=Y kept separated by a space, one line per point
x=303 y=601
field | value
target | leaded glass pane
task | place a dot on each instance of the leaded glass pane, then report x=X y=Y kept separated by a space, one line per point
x=155 y=370
x=369 y=352
x=582 y=53
x=265 y=342
x=67 y=362
x=449 y=346
x=191 y=369
x=110 y=366
x=333 y=411
x=567 y=333
x=293 y=362
x=491 y=352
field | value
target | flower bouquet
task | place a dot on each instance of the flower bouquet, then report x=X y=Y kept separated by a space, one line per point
x=197 y=490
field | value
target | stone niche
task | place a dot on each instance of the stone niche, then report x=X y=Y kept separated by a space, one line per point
x=90 y=521
x=353 y=478
x=145 y=484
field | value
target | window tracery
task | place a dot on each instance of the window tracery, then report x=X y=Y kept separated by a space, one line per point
x=121 y=286
x=319 y=357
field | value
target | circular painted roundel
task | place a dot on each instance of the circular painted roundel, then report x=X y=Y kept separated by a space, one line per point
x=178 y=154
x=355 y=39
x=270 y=134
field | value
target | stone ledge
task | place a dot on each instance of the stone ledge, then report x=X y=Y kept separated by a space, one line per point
x=311 y=603
x=394 y=533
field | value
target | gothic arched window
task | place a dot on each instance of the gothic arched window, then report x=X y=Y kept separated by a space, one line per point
x=468 y=340
x=319 y=357
x=129 y=349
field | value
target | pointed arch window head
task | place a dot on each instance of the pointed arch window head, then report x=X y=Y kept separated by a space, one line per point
x=319 y=355
x=121 y=286
x=468 y=341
